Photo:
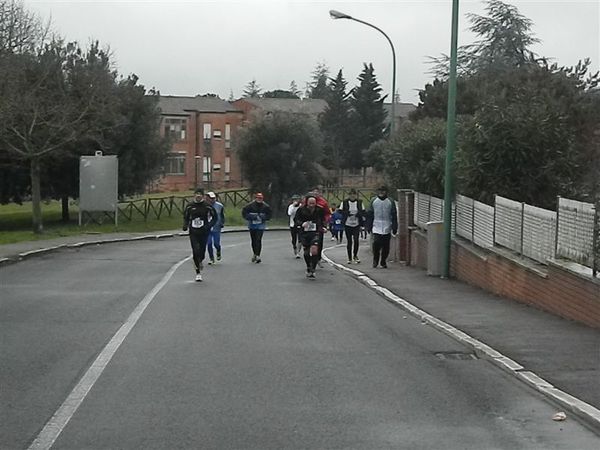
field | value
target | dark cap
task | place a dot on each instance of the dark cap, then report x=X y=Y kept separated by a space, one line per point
x=199 y=190
x=382 y=188
x=352 y=191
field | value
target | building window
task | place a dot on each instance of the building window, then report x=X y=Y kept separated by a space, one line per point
x=206 y=166
x=206 y=131
x=227 y=168
x=227 y=132
x=175 y=128
x=175 y=164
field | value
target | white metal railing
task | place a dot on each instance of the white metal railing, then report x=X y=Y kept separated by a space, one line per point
x=536 y=233
x=575 y=233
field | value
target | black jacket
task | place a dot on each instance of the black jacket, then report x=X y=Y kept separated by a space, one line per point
x=304 y=214
x=199 y=217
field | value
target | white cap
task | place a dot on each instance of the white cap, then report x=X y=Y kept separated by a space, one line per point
x=211 y=194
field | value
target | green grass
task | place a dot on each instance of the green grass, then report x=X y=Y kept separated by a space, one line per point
x=15 y=222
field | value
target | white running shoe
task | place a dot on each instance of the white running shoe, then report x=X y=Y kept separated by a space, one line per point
x=297 y=255
x=198 y=277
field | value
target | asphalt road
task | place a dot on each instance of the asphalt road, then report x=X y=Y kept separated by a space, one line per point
x=254 y=357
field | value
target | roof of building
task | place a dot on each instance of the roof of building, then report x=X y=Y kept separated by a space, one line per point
x=170 y=104
x=309 y=106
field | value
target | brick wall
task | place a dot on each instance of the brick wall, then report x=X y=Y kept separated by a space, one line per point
x=552 y=288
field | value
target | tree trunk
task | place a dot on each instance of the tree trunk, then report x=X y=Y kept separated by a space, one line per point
x=65 y=208
x=36 y=219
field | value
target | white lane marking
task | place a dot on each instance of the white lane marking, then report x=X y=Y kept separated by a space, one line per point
x=54 y=427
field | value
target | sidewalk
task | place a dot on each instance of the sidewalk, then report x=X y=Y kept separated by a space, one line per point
x=555 y=356
x=558 y=358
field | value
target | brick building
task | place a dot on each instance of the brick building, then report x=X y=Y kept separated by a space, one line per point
x=202 y=154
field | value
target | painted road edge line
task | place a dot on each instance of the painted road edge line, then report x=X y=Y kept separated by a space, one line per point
x=586 y=412
x=59 y=420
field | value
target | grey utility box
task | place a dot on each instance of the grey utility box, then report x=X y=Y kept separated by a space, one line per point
x=435 y=248
x=98 y=184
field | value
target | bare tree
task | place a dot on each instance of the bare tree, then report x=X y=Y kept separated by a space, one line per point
x=21 y=31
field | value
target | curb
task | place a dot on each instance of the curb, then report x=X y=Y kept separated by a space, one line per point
x=42 y=251
x=584 y=411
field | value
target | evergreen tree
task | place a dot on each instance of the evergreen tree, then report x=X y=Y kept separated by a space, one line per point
x=317 y=88
x=334 y=123
x=367 y=117
x=252 y=89
x=505 y=39
x=294 y=89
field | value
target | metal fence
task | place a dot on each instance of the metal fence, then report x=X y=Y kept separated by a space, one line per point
x=572 y=232
x=575 y=231
x=156 y=208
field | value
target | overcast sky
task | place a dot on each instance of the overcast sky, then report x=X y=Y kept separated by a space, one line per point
x=195 y=47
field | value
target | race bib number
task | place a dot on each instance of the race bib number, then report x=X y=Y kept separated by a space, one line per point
x=311 y=226
x=352 y=221
x=197 y=223
x=338 y=221
x=257 y=221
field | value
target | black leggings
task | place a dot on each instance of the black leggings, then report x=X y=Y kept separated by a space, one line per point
x=294 y=232
x=381 y=246
x=198 y=241
x=256 y=238
x=352 y=233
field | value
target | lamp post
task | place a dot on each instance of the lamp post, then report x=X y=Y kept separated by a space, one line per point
x=339 y=15
x=450 y=143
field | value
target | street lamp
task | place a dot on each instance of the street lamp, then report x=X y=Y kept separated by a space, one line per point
x=339 y=15
x=450 y=143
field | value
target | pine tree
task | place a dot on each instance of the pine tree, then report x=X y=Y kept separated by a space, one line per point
x=252 y=89
x=367 y=116
x=294 y=89
x=318 y=88
x=334 y=122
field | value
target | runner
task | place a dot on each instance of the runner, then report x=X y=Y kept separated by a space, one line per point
x=382 y=222
x=322 y=203
x=354 y=221
x=257 y=213
x=310 y=220
x=214 y=237
x=336 y=224
x=198 y=217
x=291 y=212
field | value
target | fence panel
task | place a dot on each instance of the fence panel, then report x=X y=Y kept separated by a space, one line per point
x=421 y=210
x=575 y=234
x=539 y=233
x=483 y=216
x=508 y=224
x=464 y=217
x=437 y=210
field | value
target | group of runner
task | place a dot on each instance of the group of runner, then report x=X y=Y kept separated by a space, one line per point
x=310 y=217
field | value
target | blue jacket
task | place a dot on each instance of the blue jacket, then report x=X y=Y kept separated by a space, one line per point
x=257 y=215
x=336 y=223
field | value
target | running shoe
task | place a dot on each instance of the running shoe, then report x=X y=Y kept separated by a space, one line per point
x=253 y=258
x=356 y=260
x=297 y=255
x=311 y=276
x=198 y=277
x=211 y=262
x=258 y=259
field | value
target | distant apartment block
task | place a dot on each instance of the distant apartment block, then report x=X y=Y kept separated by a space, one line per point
x=202 y=130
